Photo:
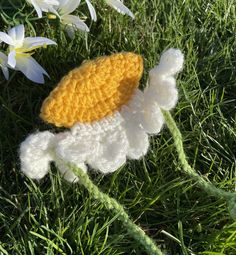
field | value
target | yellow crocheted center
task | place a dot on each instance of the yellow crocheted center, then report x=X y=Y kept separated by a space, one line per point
x=95 y=90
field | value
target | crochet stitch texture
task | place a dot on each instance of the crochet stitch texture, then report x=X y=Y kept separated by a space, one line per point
x=115 y=117
x=95 y=90
x=109 y=120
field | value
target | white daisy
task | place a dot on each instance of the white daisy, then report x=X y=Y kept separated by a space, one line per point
x=72 y=23
x=108 y=117
x=20 y=50
x=43 y=6
x=120 y=7
x=91 y=10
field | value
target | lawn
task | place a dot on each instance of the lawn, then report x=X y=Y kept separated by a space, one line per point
x=52 y=216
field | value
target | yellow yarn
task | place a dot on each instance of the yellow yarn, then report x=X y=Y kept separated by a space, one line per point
x=94 y=90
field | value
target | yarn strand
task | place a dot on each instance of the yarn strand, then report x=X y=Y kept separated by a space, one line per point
x=205 y=185
x=110 y=203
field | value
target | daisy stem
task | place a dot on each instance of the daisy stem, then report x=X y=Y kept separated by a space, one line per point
x=204 y=184
x=110 y=203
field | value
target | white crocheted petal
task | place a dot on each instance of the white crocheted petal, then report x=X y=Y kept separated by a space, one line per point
x=35 y=154
x=137 y=141
x=136 y=102
x=96 y=128
x=152 y=118
x=112 y=152
x=73 y=148
x=164 y=93
x=67 y=173
x=133 y=117
x=171 y=63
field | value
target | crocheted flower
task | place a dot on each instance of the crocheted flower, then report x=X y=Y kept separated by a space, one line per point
x=108 y=117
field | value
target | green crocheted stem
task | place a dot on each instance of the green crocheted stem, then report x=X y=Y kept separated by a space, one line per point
x=207 y=186
x=111 y=204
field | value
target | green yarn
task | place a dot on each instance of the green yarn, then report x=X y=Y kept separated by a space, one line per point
x=207 y=186
x=111 y=204
x=134 y=230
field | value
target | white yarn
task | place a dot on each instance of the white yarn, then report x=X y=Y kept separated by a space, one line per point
x=164 y=92
x=74 y=148
x=171 y=63
x=66 y=172
x=152 y=118
x=138 y=142
x=162 y=83
x=105 y=145
x=136 y=136
x=112 y=151
x=35 y=154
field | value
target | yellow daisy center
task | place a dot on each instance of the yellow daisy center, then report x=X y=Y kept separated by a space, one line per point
x=95 y=90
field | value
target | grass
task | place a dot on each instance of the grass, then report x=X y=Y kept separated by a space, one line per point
x=54 y=217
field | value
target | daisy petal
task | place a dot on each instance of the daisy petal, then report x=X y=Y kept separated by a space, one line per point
x=35 y=154
x=53 y=2
x=53 y=10
x=5 y=72
x=12 y=59
x=73 y=148
x=111 y=153
x=67 y=7
x=120 y=7
x=171 y=62
x=17 y=34
x=3 y=57
x=3 y=65
x=63 y=3
x=163 y=91
x=91 y=10
x=152 y=118
x=6 y=38
x=75 y=21
x=46 y=7
x=138 y=141
x=37 y=8
x=31 y=42
x=31 y=69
